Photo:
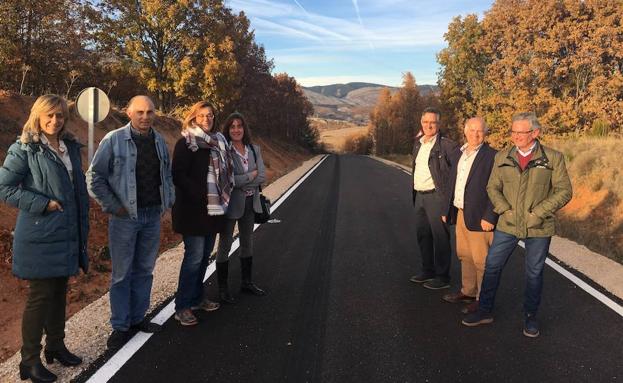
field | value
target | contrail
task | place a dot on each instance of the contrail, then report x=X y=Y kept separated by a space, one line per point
x=357 y=10
x=303 y=9
x=356 y=5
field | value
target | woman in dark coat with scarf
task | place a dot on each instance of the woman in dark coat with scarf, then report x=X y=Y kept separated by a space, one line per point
x=203 y=178
x=42 y=176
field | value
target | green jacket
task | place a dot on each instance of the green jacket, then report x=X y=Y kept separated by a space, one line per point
x=526 y=201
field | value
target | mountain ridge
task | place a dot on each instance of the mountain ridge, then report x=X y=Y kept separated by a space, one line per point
x=352 y=101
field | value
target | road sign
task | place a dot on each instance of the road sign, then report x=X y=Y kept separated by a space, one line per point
x=93 y=106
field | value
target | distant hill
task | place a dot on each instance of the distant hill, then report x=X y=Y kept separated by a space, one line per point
x=350 y=102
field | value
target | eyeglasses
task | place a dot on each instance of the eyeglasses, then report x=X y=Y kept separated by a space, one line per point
x=518 y=132
x=204 y=116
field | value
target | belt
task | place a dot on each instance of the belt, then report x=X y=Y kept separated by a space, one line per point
x=425 y=191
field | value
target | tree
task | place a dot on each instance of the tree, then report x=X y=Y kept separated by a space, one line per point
x=462 y=70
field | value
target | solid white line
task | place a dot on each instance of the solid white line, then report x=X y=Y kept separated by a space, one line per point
x=581 y=284
x=114 y=364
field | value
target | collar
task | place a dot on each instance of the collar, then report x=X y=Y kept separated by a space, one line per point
x=62 y=148
x=430 y=142
x=136 y=132
x=524 y=154
x=464 y=148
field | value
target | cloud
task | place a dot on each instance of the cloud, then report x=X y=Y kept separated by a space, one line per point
x=269 y=27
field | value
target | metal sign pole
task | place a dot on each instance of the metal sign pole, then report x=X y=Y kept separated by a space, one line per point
x=91 y=94
x=93 y=106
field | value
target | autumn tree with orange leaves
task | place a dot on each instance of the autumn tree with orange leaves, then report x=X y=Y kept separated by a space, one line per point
x=562 y=59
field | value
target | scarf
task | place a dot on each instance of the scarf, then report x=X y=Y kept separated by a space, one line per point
x=220 y=179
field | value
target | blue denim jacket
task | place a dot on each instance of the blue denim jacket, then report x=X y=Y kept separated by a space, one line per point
x=111 y=178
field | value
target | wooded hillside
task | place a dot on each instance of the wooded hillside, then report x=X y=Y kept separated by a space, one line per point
x=179 y=51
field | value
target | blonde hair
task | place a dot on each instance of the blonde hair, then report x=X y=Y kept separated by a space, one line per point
x=43 y=104
x=192 y=113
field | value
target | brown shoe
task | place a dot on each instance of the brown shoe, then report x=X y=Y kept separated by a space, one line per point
x=470 y=308
x=458 y=297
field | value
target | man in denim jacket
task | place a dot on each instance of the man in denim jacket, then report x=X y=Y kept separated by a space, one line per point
x=130 y=177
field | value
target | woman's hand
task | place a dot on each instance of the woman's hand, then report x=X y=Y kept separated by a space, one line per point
x=252 y=175
x=53 y=206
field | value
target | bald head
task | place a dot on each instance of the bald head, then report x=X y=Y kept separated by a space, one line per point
x=142 y=113
x=475 y=131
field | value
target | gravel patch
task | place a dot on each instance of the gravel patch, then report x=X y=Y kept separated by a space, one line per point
x=86 y=331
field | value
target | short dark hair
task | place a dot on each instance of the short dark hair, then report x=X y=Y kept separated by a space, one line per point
x=433 y=110
x=246 y=138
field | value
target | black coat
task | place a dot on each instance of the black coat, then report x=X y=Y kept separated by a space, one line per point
x=476 y=202
x=442 y=154
x=190 y=212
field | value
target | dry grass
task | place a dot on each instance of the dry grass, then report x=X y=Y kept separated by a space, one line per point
x=335 y=139
x=594 y=217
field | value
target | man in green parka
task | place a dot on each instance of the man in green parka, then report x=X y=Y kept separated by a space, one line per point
x=528 y=184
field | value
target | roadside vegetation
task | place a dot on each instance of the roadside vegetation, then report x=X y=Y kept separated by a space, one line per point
x=545 y=64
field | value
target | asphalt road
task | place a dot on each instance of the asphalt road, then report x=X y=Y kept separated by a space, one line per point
x=341 y=308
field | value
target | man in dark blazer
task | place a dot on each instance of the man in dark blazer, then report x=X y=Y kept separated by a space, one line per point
x=432 y=156
x=471 y=210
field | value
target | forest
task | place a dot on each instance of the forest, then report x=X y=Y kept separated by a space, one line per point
x=562 y=59
x=177 y=51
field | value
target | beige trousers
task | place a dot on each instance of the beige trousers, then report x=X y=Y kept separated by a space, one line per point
x=471 y=249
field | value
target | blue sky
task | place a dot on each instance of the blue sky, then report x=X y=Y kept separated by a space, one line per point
x=322 y=42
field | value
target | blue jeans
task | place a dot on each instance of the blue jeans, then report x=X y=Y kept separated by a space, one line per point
x=197 y=252
x=500 y=251
x=133 y=249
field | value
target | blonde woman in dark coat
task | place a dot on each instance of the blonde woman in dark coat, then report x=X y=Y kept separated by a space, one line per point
x=249 y=174
x=42 y=176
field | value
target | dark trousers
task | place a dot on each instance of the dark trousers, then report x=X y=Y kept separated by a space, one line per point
x=433 y=235
x=245 y=233
x=44 y=311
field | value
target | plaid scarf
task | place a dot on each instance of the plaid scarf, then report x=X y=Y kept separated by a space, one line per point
x=220 y=179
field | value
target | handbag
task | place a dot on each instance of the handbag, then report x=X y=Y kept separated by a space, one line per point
x=264 y=216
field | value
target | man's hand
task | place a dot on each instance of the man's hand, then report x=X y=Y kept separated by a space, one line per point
x=486 y=226
x=444 y=219
x=121 y=212
x=53 y=206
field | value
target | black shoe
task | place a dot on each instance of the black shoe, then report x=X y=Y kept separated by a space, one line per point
x=225 y=296
x=117 y=339
x=146 y=326
x=247 y=286
x=437 y=284
x=222 y=272
x=251 y=288
x=36 y=373
x=421 y=278
x=63 y=355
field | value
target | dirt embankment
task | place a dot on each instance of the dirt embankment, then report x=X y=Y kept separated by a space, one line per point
x=279 y=157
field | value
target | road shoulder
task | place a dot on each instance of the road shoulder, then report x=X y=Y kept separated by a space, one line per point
x=87 y=330
x=600 y=269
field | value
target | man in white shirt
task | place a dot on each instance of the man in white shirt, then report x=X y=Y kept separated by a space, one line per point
x=470 y=209
x=432 y=156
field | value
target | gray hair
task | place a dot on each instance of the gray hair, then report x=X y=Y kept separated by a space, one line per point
x=432 y=110
x=530 y=117
x=477 y=118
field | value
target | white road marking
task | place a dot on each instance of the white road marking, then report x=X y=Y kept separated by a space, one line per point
x=120 y=358
x=581 y=284
x=578 y=282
